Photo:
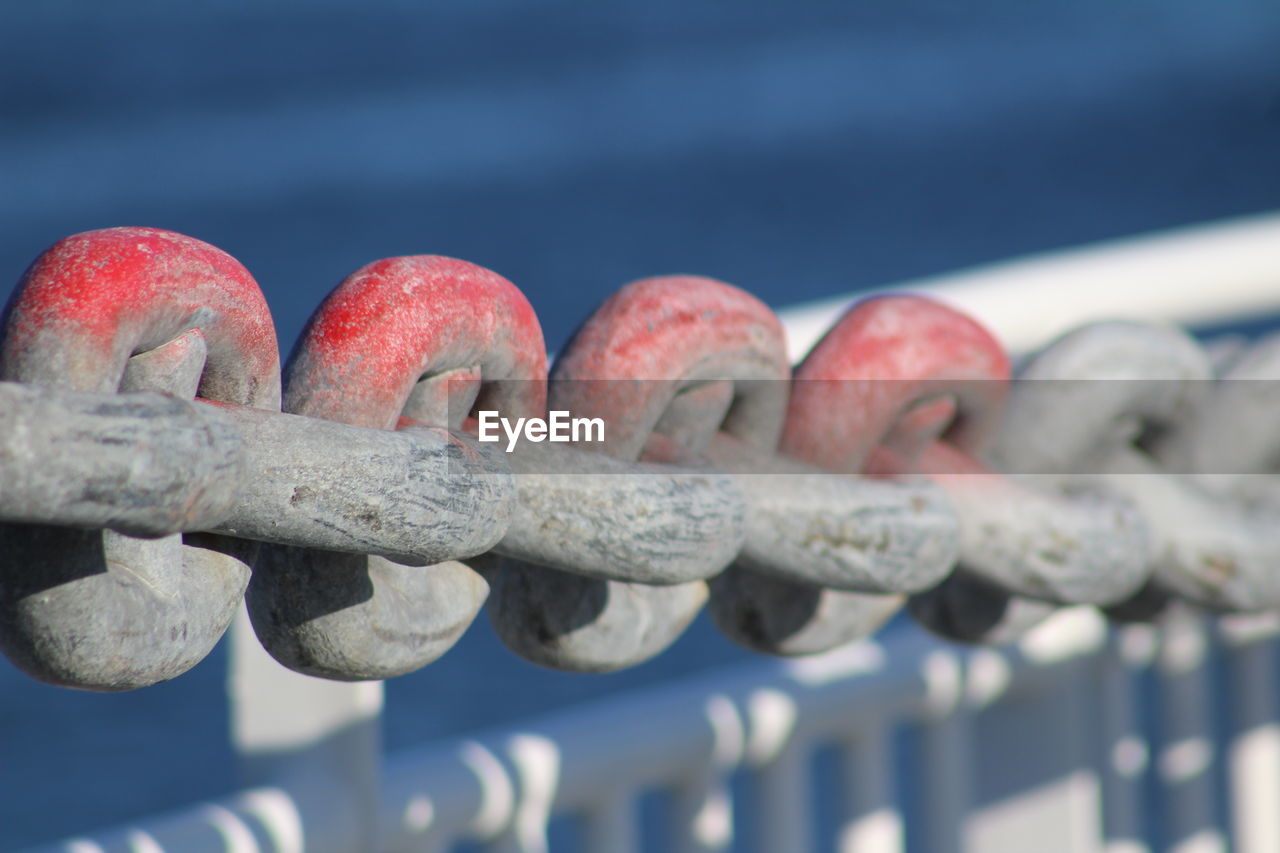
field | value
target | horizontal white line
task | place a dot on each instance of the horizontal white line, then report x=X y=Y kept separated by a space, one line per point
x=1190 y=276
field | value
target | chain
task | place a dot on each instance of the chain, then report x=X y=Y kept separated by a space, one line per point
x=366 y=524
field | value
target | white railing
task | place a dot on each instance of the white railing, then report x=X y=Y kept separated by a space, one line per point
x=1076 y=739
x=1040 y=746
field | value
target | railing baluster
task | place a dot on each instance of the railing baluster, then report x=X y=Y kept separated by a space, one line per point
x=1186 y=755
x=1254 y=756
x=946 y=744
x=784 y=790
x=781 y=817
x=948 y=779
x=286 y=726
x=701 y=815
x=1123 y=748
x=535 y=761
x=873 y=823
x=611 y=827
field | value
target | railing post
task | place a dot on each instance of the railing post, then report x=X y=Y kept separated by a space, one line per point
x=1123 y=748
x=873 y=823
x=611 y=827
x=782 y=819
x=1187 y=754
x=702 y=806
x=1254 y=751
x=947 y=749
x=318 y=734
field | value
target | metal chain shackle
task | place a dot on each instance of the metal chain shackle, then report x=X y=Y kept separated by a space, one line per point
x=1228 y=440
x=917 y=380
x=645 y=362
x=1095 y=410
x=925 y=386
x=1145 y=383
x=712 y=482
x=404 y=341
x=889 y=374
x=133 y=309
x=1228 y=444
x=866 y=542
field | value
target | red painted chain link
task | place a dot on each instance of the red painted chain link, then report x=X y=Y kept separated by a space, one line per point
x=647 y=346
x=100 y=609
x=388 y=346
x=891 y=373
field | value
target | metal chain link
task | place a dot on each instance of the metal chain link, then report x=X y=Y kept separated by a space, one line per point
x=102 y=609
x=642 y=361
x=367 y=526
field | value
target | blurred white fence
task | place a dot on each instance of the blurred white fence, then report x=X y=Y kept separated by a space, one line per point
x=1078 y=739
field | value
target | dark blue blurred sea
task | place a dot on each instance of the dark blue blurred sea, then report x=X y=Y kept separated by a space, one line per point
x=799 y=150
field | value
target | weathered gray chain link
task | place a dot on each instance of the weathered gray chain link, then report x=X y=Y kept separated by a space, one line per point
x=1117 y=410
x=130 y=519
x=73 y=459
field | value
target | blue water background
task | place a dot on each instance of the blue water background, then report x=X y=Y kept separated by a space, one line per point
x=799 y=150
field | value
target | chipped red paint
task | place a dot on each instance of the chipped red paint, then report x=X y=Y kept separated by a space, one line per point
x=397 y=321
x=896 y=371
x=94 y=299
x=681 y=329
